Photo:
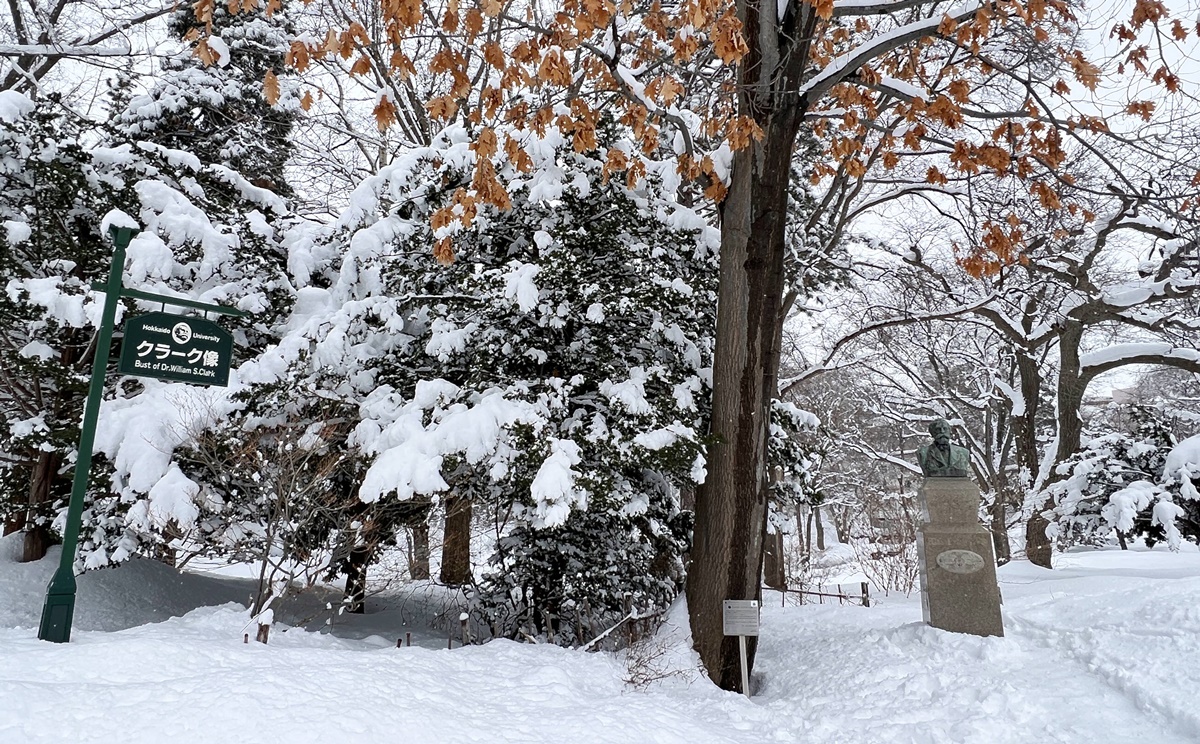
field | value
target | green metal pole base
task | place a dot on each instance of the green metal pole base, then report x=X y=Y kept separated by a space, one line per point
x=59 y=608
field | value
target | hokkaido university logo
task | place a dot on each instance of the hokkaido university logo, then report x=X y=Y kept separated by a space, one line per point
x=181 y=333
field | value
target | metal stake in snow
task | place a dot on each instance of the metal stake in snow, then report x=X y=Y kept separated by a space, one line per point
x=59 y=609
x=740 y=618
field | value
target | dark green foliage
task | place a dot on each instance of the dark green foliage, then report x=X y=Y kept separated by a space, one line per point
x=218 y=113
x=50 y=252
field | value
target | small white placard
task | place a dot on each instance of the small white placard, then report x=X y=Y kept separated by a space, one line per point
x=740 y=617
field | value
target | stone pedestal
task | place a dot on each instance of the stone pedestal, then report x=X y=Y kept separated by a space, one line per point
x=958 y=562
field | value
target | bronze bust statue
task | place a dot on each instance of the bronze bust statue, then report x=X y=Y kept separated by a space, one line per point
x=942 y=459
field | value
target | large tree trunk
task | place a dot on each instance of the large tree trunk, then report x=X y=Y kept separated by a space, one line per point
x=356 y=579
x=774 y=573
x=41 y=492
x=999 y=527
x=1069 y=422
x=456 y=542
x=731 y=505
x=1037 y=546
x=418 y=563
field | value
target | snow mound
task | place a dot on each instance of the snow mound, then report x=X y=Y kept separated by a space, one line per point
x=138 y=592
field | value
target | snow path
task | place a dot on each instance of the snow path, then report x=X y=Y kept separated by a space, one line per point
x=1104 y=649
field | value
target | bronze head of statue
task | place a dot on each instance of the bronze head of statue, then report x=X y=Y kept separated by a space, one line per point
x=941 y=459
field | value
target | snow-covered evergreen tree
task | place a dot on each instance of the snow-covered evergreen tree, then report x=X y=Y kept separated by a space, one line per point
x=555 y=372
x=201 y=155
x=1119 y=482
x=51 y=250
x=213 y=105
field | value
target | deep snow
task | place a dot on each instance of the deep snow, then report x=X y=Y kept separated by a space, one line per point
x=1106 y=648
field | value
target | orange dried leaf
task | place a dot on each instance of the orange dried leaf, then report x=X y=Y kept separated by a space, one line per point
x=473 y=20
x=203 y=10
x=1143 y=109
x=204 y=52
x=1085 y=72
x=960 y=91
x=443 y=251
x=555 y=69
x=493 y=54
x=486 y=144
x=297 y=56
x=615 y=161
x=385 y=113
x=824 y=8
x=727 y=38
x=271 y=88
x=442 y=108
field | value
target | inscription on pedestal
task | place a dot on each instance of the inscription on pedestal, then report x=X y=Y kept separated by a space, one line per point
x=960 y=561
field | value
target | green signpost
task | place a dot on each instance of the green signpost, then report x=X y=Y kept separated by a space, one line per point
x=185 y=340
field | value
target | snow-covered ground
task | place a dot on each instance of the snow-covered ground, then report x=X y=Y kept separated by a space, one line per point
x=1104 y=649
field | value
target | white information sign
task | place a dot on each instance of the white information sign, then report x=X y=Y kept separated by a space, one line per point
x=740 y=617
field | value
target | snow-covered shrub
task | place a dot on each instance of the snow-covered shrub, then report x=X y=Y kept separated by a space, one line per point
x=1117 y=482
x=1179 y=518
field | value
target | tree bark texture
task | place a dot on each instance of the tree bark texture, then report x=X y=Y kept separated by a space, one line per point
x=774 y=574
x=418 y=566
x=456 y=542
x=1071 y=386
x=41 y=492
x=731 y=504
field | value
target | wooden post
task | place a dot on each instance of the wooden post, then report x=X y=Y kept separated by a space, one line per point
x=866 y=594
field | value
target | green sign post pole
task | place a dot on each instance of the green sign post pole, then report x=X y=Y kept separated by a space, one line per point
x=60 y=595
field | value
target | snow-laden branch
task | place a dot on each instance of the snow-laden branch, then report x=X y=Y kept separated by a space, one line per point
x=787 y=385
x=865 y=449
x=847 y=64
x=56 y=50
x=849 y=8
x=1120 y=355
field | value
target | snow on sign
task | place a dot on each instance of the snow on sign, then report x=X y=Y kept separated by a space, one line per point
x=740 y=617
x=172 y=347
